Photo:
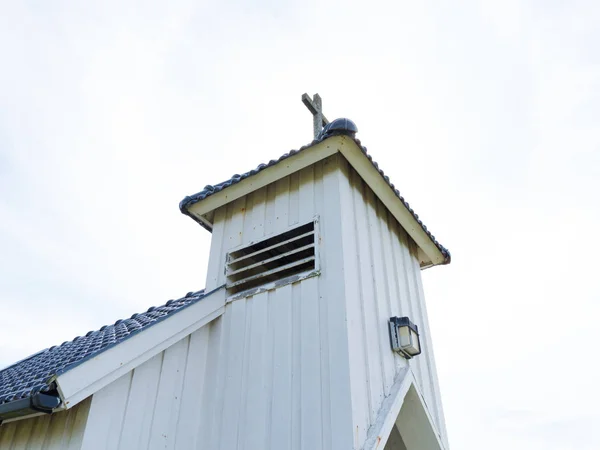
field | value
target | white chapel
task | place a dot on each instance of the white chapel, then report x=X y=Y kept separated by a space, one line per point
x=311 y=331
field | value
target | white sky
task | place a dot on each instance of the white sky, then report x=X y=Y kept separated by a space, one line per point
x=485 y=114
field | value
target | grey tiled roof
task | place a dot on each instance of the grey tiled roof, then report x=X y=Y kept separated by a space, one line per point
x=236 y=178
x=35 y=374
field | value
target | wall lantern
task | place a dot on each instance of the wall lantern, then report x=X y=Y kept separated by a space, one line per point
x=404 y=336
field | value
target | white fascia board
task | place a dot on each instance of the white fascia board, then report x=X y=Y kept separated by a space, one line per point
x=300 y=160
x=384 y=192
x=379 y=432
x=89 y=377
x=429 y=254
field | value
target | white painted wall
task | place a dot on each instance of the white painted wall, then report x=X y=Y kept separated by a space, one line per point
x=382 y=279
x=279 y=360
x=308 y=365
x=305 y=366
x=62 y=430
x=156 y=405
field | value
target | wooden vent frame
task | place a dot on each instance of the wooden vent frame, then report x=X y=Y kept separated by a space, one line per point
x=274 y=261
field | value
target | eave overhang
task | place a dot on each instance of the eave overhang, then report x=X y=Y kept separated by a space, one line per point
x=201 y=206
x=67 y=386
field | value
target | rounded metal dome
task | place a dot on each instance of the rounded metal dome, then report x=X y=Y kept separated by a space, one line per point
x=339 y=126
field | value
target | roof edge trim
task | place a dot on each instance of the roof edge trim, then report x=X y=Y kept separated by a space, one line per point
x=201 y=204
x=386 y=192
x=78 y=383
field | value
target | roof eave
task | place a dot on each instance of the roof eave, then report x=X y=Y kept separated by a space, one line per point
x=38 y=403
x=430 y=254
x=79 y=382
x=201 y=210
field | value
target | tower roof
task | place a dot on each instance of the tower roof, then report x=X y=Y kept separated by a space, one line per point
x=201 y=206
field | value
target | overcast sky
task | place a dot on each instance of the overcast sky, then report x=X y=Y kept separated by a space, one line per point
x=485 y=114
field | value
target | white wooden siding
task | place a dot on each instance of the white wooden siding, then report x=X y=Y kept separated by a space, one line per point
x=280 y=368
x=155 y=405
x=382 y=279
x=272 y=372
x=304 y=366
x=62 y=430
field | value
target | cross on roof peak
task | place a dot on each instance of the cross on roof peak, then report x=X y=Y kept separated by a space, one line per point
x=315 y=106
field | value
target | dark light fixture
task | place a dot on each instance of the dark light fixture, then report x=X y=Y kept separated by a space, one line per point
x=404 y=337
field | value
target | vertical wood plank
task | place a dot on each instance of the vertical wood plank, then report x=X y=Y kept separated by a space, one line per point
x=216 y=258
x=394 y=275
x=137 y=421
x=22 y=434
x=235 y=224
x=257 y=216
x=56 y=430
x=410 y=294
x=255 y=411
x=81 y=412
x=414 y=274
x=212 y=424
x=206 y=429
x=306 y=194
x=168 y=398
x=7 y=433
x=354 y=307
x=248 y=217
x=40 y=431
x=232 y=394
x=270 y=363
x=310 y=366
x=368 y=300
x=327 y=199
x=106 y=414
x=435 y=401
x=319 y=189
x=192 y=394
x=242 y=429
x=399 y=243
x=68 y=428
x=296 y=364
x=282 y=369
x=381 y=297
x=282 y=204
x=270 y=211
x=294 y=198
x=311 y=193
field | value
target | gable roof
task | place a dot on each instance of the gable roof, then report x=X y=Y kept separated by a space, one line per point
x=210 y=190
x=36 y=374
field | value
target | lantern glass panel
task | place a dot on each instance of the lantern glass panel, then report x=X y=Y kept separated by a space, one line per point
x=405 y=338
x=415 y=344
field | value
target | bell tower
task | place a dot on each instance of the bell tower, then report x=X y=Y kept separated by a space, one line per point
x=321 y=259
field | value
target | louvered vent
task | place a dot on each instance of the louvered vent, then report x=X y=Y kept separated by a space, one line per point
x=273 y=260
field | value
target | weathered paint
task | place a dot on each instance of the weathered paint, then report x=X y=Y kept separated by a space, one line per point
x=62 y=430
x=280 y=358
x=316 y=352
x=306 y=365
x=156 y=405
x=382 y=279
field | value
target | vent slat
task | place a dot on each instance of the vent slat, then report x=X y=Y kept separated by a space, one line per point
x=273 y=261
x=235 y=260
x=273 y=271
x=269 y=260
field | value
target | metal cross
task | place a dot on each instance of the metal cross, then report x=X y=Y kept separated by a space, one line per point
x=315 y=106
